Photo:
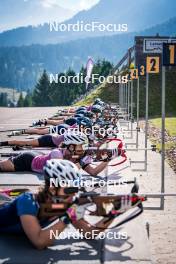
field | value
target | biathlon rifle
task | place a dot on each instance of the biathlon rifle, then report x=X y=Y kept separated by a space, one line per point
x=117 y=151
x=109 y=206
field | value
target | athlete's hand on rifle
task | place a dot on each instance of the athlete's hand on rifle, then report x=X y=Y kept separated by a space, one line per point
x=108 y=154
x=76 y=212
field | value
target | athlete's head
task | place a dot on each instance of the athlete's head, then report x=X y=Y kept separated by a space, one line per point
x=76 y=142
x=62 y=177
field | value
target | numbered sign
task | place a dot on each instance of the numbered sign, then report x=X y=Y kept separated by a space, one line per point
x=141 y=70
x=169 y=54
x=133 y=74
x=152 y=64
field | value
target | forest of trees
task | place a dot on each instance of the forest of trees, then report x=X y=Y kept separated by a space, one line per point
x=20 y=67
x=57 y=93
x=46 y=93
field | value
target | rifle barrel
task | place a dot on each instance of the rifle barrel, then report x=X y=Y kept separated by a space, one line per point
x=149 y=195
x=158 y=195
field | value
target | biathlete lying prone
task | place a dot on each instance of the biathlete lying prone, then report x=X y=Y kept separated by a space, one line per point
x=54 y=139
x=73 y=150
x=22 y=215
x=95 y=113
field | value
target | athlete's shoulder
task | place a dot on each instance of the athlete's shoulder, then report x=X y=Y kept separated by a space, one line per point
x=27 y=204
x=56 y=154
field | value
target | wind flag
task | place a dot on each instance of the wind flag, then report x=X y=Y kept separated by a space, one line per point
x=89 y=68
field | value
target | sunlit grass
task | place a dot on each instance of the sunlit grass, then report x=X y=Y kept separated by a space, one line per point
x=170 y=123
x=91 y=97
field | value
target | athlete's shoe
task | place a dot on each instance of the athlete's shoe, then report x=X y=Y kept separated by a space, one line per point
x=3 y=143
x=16 y=133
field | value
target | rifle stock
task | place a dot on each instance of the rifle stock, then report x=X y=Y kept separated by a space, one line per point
x=105 y=205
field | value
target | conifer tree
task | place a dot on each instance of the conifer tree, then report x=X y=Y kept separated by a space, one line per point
x=41 y=94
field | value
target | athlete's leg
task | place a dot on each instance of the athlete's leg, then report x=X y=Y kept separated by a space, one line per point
x=32 y=143
x=37 y=131
x=6 y=165
x=55 y=122
x=46 y=141
x=55 y=118
x=21 y=162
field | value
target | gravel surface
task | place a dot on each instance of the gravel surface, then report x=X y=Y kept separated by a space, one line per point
x=154 y=134
x=162 y=224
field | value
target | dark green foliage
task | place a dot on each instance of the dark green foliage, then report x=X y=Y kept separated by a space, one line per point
x=20 y=101
x=3 y=99
x=28 y=100
x=155 y=94
x=21 y=67
x=42 y=92
x=58 y=93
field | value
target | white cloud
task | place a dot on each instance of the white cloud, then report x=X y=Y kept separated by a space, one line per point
x=84 y=4
x=49 y=3
x=76 y=4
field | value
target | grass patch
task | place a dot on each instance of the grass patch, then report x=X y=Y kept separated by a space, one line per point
x=170 y=124
x=91 y=97
x=168 y=145
x=107 y=92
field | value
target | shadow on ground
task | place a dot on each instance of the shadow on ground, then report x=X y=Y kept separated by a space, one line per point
x=18 y=250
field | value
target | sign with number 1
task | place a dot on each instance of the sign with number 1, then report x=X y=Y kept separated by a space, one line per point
x=169 y=54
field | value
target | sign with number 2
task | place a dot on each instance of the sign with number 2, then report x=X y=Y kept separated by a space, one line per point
x=153 y=64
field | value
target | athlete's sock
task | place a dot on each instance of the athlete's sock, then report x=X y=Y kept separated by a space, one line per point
x=4 y=143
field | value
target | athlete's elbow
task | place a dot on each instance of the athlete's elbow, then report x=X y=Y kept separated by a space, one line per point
x=94 y=173
x=40 y=244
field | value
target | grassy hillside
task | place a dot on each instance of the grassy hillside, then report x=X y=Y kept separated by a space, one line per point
x=109 y=93
x=155 y=94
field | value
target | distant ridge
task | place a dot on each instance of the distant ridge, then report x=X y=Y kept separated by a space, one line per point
x=21 y=67
x=138 y=14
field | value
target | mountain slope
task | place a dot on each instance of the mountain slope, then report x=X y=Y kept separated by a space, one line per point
x=30 y=12
x=138 y=14
x=20 y=67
